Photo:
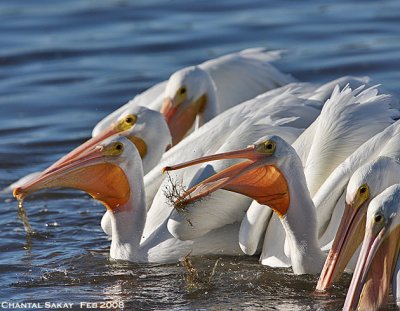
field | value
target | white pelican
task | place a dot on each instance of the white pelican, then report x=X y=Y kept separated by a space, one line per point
x=272 y=175
x=348 y=119
x=378 y=262
x=340 y=130
x=365 y=184
x=112 y=173
x=196 y=94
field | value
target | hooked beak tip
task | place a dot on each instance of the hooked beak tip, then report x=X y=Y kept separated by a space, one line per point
x=165 y=169
x=18 y=193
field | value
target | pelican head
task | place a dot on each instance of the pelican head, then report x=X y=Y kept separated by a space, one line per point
x=187 y=94
x=367 y=182
x=146 y=128
x=258 y=177
x=371 y=280
x=149 y=133
x=100 y=171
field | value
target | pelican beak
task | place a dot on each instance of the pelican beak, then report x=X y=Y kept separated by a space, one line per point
x=181 y=117
x=83 y=148
x=140 y=144
x=168 y=109
x=89 y=172
x=369 y=286
x=347 y=239
x=256 y=178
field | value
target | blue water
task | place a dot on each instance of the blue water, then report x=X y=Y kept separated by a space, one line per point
x=66 y=64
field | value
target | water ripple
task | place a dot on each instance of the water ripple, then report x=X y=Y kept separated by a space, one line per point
x=65 y=65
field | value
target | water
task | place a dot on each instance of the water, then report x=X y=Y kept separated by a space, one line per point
x=66 y=64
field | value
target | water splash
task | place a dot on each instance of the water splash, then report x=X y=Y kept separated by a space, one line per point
x=194 y=279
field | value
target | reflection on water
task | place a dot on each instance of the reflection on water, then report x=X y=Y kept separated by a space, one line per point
x=64 y=65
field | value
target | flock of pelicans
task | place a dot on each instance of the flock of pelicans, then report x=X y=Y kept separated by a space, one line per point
x=258 y=163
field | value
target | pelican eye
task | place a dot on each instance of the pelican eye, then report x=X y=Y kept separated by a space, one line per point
x=114 y=149
x=182 y=90
x=126 y=123
x=378 y=218
x=364 y=190
x=268 y=147
x=131 y=119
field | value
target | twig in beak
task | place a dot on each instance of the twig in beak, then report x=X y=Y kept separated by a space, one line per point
x=174 y=192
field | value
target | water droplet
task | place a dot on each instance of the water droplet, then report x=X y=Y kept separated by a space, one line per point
x=53 y=224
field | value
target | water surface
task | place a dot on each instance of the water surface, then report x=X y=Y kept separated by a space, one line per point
x=66 y=64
